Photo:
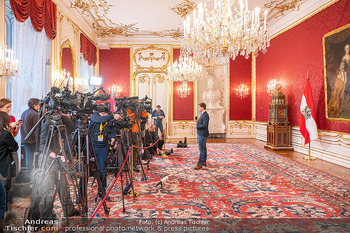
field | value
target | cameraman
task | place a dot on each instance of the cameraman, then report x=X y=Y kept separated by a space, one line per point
x=158 y=116
x=136 y=120
x=54 y=176
x=150 y=138
x=99 y=131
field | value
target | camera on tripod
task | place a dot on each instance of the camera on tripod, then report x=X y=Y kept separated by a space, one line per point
x=182 y=144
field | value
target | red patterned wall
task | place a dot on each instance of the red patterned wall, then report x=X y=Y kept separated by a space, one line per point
x=115 y=69
x=67 y=60
x=291 y=56
x=182 y=107
x=240 y=72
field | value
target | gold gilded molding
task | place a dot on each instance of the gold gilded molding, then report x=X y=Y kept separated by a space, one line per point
x=253 y=88
x=184 y=125
x=97 y=12
x=175 y=33
x=239 y=125
x=184 y=8
x=308 y=16
x=277 y=9
x=143 y=78
x=159 y=78
x=138 y=57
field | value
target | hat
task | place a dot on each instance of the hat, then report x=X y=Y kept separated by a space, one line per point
x=101 y=108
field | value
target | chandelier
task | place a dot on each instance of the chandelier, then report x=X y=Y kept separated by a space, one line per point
x=184 y=70
x=183 y=91
x=81 y=85
x=271 y=86
x=8 y=66
x=220 y=30
x=242 y=91
x=115 y=91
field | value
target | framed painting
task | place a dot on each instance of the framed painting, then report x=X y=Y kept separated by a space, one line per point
x=336 y=52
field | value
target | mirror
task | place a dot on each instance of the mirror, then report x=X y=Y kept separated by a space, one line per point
x=67 y=69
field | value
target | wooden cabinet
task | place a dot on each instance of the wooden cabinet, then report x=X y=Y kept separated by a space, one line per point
x=279 y=131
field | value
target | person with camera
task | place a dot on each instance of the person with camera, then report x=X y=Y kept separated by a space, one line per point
x=29 y=119
x=150 y=138
x=203 y=134
x=158 y=116
x=54 y=176
x=100 y=135
x=136 y=120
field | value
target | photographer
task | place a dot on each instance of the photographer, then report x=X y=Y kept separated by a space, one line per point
x=150 y=138
x=99 y=133
x=158 y=116
x=136 y=134
x=54 y=176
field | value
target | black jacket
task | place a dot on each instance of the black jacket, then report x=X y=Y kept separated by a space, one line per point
x=7 y=145
x=29 y=119
x=95 y=129
x=150 y=137
x=203 y=124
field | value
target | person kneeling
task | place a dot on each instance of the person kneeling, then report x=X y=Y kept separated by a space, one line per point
x=151 y=138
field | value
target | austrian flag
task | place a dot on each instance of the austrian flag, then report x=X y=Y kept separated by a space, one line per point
x=308 y=127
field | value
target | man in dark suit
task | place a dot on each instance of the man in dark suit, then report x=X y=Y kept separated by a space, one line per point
x=203 y=134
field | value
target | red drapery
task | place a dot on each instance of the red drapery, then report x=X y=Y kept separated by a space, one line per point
x=88 y=50
x=42 y=14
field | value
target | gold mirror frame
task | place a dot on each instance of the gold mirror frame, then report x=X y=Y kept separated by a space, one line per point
x=67 y=44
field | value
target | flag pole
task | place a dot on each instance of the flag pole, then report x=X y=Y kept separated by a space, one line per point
x=309 y=157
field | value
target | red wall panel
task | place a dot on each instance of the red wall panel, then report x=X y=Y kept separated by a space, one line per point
x=291 y=56
x=67 y=61
x=240 y=72
x=182 y=107
x=115 y=69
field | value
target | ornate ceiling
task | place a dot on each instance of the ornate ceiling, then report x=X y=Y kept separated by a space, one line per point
x=122 y=21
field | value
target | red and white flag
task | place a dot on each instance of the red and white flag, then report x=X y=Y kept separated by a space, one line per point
x=308 y=127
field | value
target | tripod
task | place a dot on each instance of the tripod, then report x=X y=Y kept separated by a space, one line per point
x=53 y=170
x=86 y=161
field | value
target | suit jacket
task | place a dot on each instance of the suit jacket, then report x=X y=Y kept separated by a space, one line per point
x=203 y=124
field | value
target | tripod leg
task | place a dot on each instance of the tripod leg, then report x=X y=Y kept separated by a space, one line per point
x=132 y=173
x=122 y=188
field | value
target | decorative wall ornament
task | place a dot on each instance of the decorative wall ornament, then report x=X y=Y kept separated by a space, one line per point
x=184 y=8
x=176 y=34
x=279 y=8
x=160 y=78
x=97 y=12
x=212 y=98
x=151 y=58
x=240 y=127
x=143 y=78
x=184 y=128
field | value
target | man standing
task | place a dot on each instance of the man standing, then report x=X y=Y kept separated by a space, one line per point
x=158 y=116
x=203 y=134
x=100 y=133
x=29 y=119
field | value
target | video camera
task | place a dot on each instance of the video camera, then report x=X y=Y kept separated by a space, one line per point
x=135 y=104
x=182 y=144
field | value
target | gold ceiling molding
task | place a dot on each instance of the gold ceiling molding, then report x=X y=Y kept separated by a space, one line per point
x=97 y=11
x=278 y=8
x=184 y=8
x=174 y=33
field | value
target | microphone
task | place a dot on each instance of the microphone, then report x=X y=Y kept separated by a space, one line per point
x=162 y=181
x=196 y=118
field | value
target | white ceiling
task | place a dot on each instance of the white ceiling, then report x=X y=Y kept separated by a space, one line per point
x=153 y=21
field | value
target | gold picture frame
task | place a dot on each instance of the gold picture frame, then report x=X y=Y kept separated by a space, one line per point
x=336 y=54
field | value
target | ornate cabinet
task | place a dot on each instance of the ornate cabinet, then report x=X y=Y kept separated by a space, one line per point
x=279 y=131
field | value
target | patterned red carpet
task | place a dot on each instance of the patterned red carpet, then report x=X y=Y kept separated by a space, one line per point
x=244 y=188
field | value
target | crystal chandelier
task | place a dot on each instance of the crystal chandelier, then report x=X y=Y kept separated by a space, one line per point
x=183 y=91
x=115 y=91
x=81 y=85
x=184 y=70
x=8 y=66
x=242 y=91
x=220 y=30
x=271 y=86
